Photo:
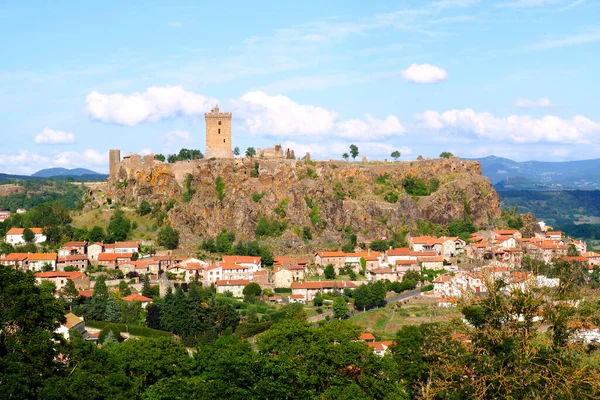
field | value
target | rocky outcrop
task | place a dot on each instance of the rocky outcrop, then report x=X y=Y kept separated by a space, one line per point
x=326 y=196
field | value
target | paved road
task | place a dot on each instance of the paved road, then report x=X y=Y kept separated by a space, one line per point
x=404 y=296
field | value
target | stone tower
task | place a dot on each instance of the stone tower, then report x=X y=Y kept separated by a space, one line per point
x=114 y=161
x=218 y=134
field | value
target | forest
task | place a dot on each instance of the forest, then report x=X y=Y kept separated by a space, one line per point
x=501 y=353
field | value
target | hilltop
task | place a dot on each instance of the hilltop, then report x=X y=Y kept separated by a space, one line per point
x=295 y=200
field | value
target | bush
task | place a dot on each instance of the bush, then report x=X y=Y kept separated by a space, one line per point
x=269 y=228
x=257 y=196
x=427 y=288
x=168 y=237
x=116 y=332
x=391 y=197
x=282 y=290
x=144 y=208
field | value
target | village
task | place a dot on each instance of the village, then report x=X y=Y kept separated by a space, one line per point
x=457 y=268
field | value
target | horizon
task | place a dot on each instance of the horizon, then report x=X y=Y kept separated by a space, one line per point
x=515 y=79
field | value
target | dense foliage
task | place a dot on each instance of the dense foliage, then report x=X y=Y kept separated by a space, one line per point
x=36 y=192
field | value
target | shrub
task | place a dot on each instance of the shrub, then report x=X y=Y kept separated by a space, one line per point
x=427 y=288
x=391 y=197
x=257 y=196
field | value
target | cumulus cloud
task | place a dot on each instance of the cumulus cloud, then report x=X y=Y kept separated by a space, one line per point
x=50 y=136
x=543 y=102
x=280 y=116
x=176 y=137
x=424 y=73
x=154 y=104
x=88 y=157
x=514 y=128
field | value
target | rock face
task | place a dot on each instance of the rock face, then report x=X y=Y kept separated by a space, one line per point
x=326 y=196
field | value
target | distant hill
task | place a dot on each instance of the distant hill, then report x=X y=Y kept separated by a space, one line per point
x=58 y=172
x=507 y=174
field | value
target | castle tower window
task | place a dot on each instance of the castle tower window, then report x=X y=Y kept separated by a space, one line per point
x=219 y=131
x=219 y=122
x=223 y=140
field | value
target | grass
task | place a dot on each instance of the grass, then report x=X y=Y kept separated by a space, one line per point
x=385 y=322
x=101 y=217
x=131 y=329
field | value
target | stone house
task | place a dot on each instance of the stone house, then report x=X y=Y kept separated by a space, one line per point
x=59 y=278
x=38 y=261
x=113 y=260
x=282 y=278
x=14 y=236
x=310 y=289
x=79 y=261
x=17 y=260
x=235 y=286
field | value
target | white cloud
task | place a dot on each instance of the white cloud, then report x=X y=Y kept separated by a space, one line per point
x=23 y=162
x=88 y=157
x=514 y=128
x=543 y=102
x=176 y=137
x=280 y=116
x=145 y=151
x=424 y=73
x=50 y=136
x=152 y=105
x=175 y=24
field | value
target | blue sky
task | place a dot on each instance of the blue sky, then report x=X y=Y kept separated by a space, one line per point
x=514 y=78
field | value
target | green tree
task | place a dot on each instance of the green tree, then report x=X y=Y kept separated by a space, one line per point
x=572 y=250
x=168 y=238
x=113 y=311
x=144 y=208
x=345 y=156
x=220 y=186
x=96 y=234
x=380 y=245
x=159 y=157
x=395 y=155
x=110 y=329
x=97 y=309
x=153 y=316
x=119 y=227
x=130 y=312
x=29 y=316
x=340 y=308
x=236 y=151
x=28 y=236
x=329 y=272
x=251 y=291
x=250 y=152
x=70 y=291
x=146 y=288
x=446 y=154
x=124 y=289
x=318 y=300
x=353 y=151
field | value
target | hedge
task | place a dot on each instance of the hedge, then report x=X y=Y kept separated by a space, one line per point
x=282 y=290
x=132 y=329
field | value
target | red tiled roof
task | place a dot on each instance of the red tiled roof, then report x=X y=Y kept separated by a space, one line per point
x=241 y=259
x=75 y=257
x=16 y=257
x=406 y=262
x=431 y=259
x=86 y=293
x=261 y=272
x=42 y=257
x=75 y=244
x=327 y=254
x=136 y=297
x=366 y=336
x=400 y=251
x=381 y=271
x=442 y=279
x=296 y=296
x=60 y=274
x=19 y=231
x=114 y=256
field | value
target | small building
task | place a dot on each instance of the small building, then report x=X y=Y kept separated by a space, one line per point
x=297 y=298
x=17 y=260
x=113 y=260
x=94 y=250
x=138 y=297
x=366 y=337
x=122 y=247
x=251 y=262
x=4 y=215
x=236 y=287
x=59 y=278
x=72 y=248
x=14 y=236
x=382 y=274
x=79 y=261
x=72 y=323
x=40 y=261
x=232 y=271
x=310 y=289
x=380 y=348
x=282 y=278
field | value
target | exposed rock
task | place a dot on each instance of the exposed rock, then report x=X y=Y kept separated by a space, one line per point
x=346 y=194
x=7 y=190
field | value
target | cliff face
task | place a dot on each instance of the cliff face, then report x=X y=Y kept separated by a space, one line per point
x=326 y=196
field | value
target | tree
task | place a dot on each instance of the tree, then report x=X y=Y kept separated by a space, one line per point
x=146 y=288
x=124 y=289
x=159 y=157
x=446 y=154
x=572 y=250
x=97 y=309
x=168 y=238
x=340 y=308
x=130 y=312
x=71 y=292
x=153 y=316
x=345 y=156
x=380 y=245
x=144 y=208
x=236 y=151
x=329 y=272
x=395 y=155
x=318 y=300
x=251 y=291
x=250 y=152
x=353 y=151
x=29 y=316
x=28 y=236
x=110 y=329
x=119 y=227
x=113 y=311
x=96 y=234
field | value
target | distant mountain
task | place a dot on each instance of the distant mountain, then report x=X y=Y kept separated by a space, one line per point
x=63 y=172
x=507 y=174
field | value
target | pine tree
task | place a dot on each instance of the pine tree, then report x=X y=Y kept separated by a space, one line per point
x=153 y=316
x=167 y=316
x=182 y=323
x=97 y=309
x=71 y=292
x=146 y=289
x=113 y=312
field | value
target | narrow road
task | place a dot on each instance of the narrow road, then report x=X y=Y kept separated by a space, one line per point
x=404 y=296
